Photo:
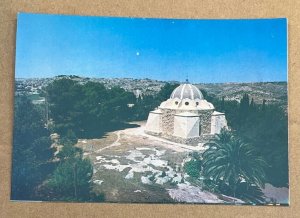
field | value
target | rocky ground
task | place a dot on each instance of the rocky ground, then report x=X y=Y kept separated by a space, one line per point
x=131 y=166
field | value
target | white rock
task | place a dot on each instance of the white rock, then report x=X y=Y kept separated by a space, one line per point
x=162 y=180
x=98 y=182
x=145 y=180
x=129 y=175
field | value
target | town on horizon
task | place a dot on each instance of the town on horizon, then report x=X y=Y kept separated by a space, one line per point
x=274 y=91
x=146 y=78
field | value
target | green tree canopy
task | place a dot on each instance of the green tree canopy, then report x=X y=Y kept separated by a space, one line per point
x=264 y=126
x=71 y=180
x=87 y=109
x=31 y=150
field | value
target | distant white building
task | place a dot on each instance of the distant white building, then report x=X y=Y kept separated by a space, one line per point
x=186 y=117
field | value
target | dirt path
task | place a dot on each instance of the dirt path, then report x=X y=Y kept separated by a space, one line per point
x=115 y=143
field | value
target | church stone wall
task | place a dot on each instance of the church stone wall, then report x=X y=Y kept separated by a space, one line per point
x=205 y=119
x=167 y=121
x=217 y=123
x=154 y=122
x=186 y=126
x=167 y=126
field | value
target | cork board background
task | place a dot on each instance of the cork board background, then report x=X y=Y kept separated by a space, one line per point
x=146 y=8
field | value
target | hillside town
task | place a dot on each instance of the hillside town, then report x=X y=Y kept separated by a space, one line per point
x=271 y=92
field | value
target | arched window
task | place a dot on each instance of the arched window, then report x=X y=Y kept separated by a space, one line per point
x=186 y=103
x=176 y=102
x=197 y=103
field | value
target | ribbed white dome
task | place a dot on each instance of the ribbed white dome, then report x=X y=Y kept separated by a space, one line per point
x=188 y=91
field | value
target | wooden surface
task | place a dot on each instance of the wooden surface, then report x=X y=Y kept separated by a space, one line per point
x=146 y=8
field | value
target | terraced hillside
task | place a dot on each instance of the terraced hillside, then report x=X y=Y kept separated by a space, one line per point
x=272 y=92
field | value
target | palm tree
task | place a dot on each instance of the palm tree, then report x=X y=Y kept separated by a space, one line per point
x=222 y=138
x=232 y=161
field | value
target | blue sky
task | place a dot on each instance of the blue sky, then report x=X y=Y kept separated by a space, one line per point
x=164 y=49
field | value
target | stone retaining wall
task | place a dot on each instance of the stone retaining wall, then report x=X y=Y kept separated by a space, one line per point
x=190 y=141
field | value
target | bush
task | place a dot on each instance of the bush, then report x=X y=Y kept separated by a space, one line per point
x=193 y=168
x=71 y=180
x=69 y=138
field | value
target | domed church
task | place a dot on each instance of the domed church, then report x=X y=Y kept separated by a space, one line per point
x=186 y=117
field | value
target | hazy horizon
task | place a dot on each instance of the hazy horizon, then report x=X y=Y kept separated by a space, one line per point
x=28 y=78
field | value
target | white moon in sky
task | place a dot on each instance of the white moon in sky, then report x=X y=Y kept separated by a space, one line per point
x=137 y=53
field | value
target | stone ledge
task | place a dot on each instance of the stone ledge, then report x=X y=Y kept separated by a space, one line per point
x=152 y=133
x=189 y=141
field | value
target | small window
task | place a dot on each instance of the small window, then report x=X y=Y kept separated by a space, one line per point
x=176 y=102
x=186 y=103
x=197 y=103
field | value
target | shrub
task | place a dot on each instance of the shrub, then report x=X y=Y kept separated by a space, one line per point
x=193 y=168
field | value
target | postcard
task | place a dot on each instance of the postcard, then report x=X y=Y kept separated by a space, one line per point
x=145 y=110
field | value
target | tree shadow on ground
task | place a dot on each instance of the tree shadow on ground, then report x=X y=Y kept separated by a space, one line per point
x=101 y=132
